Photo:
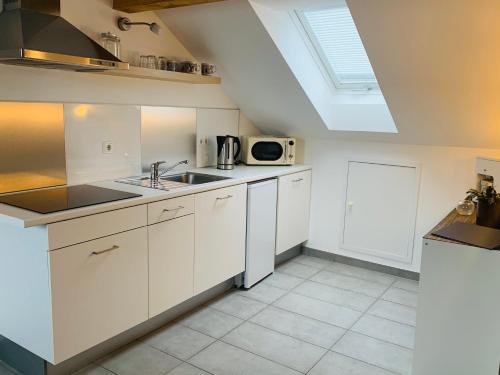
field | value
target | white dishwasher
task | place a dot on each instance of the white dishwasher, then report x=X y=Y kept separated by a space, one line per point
x=261 y=231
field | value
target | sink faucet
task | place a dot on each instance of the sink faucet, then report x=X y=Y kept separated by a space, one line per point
x=156 y=172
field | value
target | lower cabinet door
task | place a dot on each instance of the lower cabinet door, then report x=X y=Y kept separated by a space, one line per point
x=171 y=262
x=294 y=200
x=99 y=289
x=220 y=230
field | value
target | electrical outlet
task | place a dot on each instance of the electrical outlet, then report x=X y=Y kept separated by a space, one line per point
x=107 y=147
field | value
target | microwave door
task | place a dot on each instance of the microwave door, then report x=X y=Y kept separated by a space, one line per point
x=271 y=152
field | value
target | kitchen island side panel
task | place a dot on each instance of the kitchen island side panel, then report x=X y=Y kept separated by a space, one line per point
x=25 y=311
x=458 y=311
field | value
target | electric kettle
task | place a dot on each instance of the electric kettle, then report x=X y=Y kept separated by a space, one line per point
x=226 y=155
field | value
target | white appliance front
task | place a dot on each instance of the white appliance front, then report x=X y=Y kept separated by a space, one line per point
x=261 y=231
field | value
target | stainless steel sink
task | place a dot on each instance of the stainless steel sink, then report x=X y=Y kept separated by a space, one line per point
x=173 y=181
x=193 y=178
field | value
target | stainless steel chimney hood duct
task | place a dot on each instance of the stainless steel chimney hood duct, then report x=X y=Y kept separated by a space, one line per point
x=33 y=34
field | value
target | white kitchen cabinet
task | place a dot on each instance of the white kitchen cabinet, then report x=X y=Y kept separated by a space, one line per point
x=99 y=289
x=457 y=314
x=294 y=200
x=171 y=260
x=380 y=210
x=220 y=231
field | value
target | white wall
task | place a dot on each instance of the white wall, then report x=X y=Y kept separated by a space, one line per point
x=94 y=17
x=446 y=174
x=116 y=117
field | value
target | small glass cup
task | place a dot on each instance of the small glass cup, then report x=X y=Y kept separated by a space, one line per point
x=152 y=62
x=143 y=61
x=207 y=69
x=172 y=65
x=162 y=63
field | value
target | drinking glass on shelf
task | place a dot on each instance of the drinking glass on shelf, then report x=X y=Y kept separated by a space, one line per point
x=143 y=61
x=162 y=63
x=152 y=62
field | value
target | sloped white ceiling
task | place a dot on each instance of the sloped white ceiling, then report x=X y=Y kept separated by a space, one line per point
x=437 y=62
x=254 y=74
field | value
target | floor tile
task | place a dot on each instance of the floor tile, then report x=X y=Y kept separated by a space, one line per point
x=263 y=293
x=314 y=262
x=394 y=311
x=179 y=341
x=187 y=369
x=236 y=305
x=376 y=352
x=356 y=301
x=282 y=281
x=275 y=346
x=211 y=322
x=340 y=316
x=298 y=326
x=401 y=296
x=139 y=359
x=406 y=284
x=369 y=288
x=223 y=359
x=338 y=364
x=89 y=370
x=362 y=273
x=297 y=269
x=387 y=330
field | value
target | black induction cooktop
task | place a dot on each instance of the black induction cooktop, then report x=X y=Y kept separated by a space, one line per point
x=64 y=198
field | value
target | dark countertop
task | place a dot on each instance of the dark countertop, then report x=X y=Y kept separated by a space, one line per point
x=452 y=217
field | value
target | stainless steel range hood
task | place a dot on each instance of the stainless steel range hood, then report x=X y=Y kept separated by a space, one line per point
x=33 y=34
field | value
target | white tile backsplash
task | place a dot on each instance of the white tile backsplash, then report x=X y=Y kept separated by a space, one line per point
x=87 y=127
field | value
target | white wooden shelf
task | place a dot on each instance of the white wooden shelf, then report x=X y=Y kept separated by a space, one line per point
x=163 y=75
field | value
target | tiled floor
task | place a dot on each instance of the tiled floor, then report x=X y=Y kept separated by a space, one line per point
x=311 y=317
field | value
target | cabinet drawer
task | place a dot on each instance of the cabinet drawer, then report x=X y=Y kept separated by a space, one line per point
x=294 y=194
x=70 y=232
x=170 y=209
x=99 y=289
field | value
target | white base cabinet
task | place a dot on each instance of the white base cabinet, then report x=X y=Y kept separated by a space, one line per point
x=220 y=231
x=294 y=200
x=171 y=259
x=99 y=289
x=457 y=314
x=83 y=281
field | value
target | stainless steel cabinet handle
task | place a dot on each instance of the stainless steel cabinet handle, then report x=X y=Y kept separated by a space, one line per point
x=224 y=198
x=298 y=180
x=105 y=251
x=173 y=209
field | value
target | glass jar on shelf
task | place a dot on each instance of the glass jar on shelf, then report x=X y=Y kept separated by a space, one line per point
x=111 y=43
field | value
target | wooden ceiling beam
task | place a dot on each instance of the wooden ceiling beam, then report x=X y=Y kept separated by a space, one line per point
x=135 y=6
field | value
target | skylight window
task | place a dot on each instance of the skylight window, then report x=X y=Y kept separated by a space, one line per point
x=336 y=40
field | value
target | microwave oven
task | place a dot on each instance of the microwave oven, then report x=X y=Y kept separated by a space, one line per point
x=268 y=150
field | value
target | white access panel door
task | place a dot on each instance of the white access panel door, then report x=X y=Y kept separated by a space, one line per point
x=261 y=231
x=380 y=210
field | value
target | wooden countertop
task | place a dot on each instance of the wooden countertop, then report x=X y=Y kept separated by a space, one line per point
x=452 y=217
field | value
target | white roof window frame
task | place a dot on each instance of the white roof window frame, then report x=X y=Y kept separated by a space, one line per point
x=321 y=58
